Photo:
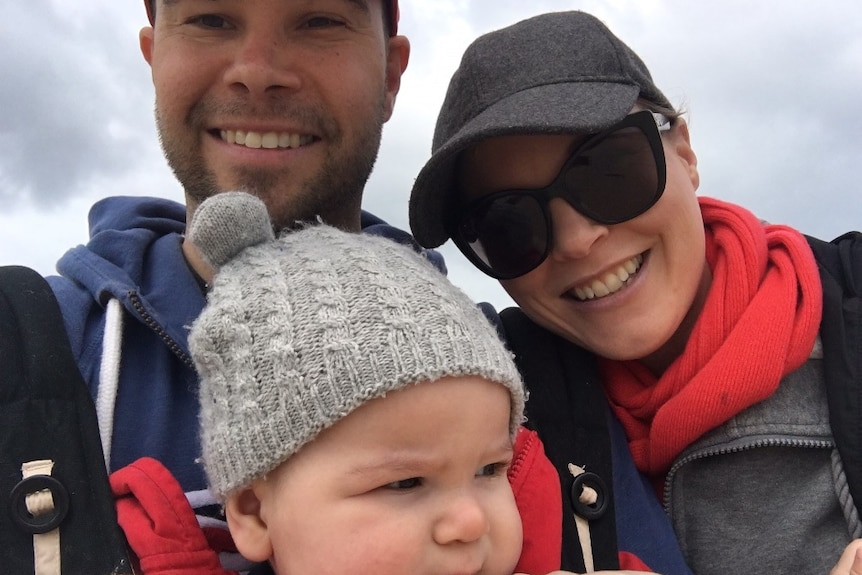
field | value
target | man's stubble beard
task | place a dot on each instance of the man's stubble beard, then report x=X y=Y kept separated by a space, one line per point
x=333 y=194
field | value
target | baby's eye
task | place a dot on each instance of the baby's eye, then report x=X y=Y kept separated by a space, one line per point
x=403 y=484
x=493 y=469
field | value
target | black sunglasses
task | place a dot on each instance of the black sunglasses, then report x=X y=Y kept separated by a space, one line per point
x=614 y=176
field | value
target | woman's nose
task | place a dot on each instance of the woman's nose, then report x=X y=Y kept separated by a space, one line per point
x=574 y=234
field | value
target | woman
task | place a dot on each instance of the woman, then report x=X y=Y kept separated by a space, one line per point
x=560 y=169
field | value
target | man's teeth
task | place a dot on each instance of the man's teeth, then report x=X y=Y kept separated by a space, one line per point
x=612 y=282
x=269 y=140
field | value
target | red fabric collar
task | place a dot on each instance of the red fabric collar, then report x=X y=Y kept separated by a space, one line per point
x=758 y=324
x=160 y=526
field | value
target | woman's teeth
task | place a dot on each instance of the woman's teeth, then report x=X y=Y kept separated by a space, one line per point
x=611 y=282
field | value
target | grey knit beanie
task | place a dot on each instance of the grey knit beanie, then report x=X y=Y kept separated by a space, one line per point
x=301 y=330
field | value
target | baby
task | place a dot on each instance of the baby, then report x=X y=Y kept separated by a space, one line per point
x=359 y=413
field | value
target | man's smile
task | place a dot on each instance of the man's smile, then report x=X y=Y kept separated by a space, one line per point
x=268 y=140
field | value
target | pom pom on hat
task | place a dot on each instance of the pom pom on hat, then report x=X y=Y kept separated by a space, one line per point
x=225 y=224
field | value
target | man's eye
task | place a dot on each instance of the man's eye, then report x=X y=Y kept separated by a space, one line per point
x=210 y=21
x=323 y=22
x=411 y=483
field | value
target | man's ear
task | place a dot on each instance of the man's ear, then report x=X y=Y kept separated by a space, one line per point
x=145 y=40
x=247 y=527
x=397 y=57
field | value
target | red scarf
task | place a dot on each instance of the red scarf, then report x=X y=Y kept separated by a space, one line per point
x=758 y=324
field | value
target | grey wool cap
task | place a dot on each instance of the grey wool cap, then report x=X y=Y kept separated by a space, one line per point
x=301 y=329
x=557 y=73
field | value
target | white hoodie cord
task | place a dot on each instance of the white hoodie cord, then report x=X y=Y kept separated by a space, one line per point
x=109 y=375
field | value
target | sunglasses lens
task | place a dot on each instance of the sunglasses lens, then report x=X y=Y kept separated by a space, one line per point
x=614 y=179
x=508 y=234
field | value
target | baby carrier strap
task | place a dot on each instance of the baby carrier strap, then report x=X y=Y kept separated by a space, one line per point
x=568 y=409
x=840 y=264
x=53 y=484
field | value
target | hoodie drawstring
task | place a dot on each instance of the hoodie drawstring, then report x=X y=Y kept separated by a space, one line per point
x=845 y=500
x=109 y=375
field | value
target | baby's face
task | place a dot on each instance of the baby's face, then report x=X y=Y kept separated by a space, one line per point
x=411 y=483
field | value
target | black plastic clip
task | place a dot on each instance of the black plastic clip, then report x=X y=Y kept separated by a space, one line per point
x=45 y=522
x=589 y=511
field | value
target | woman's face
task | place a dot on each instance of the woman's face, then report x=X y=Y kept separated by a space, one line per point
x=576 y=292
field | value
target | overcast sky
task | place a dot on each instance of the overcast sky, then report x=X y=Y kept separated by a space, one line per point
x=772 y=89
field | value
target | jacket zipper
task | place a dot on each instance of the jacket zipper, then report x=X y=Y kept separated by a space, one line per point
x=153 y=325
x=773 y=442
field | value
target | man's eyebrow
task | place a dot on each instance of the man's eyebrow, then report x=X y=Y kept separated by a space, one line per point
x=361 y=4
x=173 y=2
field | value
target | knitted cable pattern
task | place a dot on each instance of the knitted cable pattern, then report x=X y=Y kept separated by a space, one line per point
x=302 y=329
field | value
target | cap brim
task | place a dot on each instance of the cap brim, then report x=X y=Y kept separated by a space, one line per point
x=573 y=107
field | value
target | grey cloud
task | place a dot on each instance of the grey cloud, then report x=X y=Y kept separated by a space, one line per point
x=66 y=104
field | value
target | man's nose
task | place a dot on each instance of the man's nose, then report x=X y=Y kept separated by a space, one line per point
x=264 y=61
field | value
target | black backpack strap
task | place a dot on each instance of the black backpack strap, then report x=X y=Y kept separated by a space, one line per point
x=568 y=409
x=840 y=264
x=46 y=413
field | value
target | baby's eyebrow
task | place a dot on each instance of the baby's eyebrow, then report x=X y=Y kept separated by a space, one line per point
x=416 y=462
x=396 y=462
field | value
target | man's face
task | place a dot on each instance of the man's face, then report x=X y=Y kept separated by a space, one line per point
x=282 y=98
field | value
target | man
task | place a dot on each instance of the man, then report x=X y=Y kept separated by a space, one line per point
x=284 y=99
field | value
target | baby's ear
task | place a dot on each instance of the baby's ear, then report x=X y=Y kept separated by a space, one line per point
x=247 y=527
